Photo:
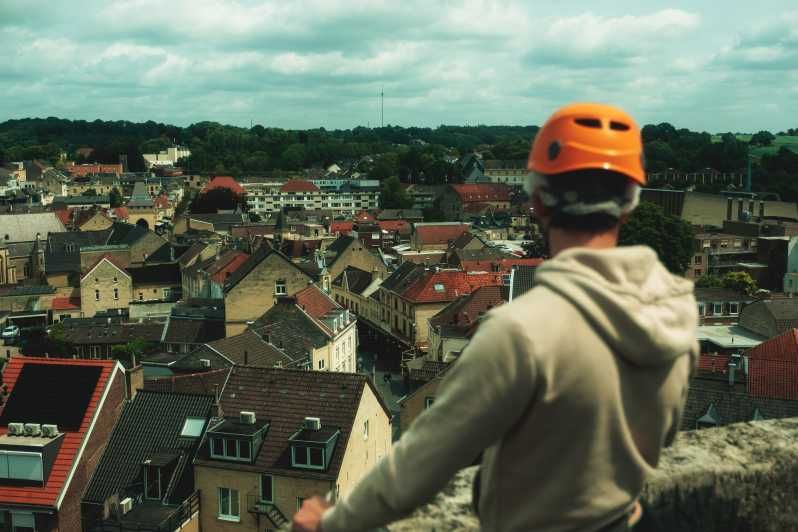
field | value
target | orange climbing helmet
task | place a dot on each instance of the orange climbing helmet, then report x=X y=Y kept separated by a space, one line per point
x=584 y=136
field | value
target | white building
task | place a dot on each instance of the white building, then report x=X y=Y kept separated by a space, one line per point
x=168 y=157
x=340 y=196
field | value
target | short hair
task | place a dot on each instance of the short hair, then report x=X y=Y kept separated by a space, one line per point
x=590 y=200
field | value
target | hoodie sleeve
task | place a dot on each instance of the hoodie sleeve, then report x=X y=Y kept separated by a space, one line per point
x=487 y=389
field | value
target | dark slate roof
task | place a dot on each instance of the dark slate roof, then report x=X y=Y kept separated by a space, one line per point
x=90 y=332
x=523 y=280
x=719 y=294
x=149 y=425
x=59 y=258
x=335 y=249
x=285 y=397
x=290 y=329
x=166 y=253
x=205 y=382
x=402 y=275
x=357 y=280
x=194 y=250
x=770 y=317
x=256 y=258
x=220 y=221
x=191 y=331
x=123 y=233
x=245 y=349
x=168 y=273
x=731 y=406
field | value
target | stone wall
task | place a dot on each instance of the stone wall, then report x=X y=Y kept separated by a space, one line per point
x=740 y=477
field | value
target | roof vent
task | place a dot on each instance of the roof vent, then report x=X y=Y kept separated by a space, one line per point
x=33 y=429
x=16 y=429
x=205 y=362
x=247 y=418
x=312 y=423
x=49 y=431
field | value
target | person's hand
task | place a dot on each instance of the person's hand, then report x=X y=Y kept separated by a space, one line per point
x=308 y=518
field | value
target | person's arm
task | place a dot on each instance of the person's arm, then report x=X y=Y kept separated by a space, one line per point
x=484 y=393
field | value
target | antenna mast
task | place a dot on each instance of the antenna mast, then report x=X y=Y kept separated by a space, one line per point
x=382 y=108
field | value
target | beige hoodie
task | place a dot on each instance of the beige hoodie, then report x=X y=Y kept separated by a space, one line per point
x=571 y=390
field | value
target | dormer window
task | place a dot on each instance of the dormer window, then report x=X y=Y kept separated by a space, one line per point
x=312 y=445
x=237 y=439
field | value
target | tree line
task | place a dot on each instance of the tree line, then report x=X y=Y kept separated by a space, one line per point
x=414 y=154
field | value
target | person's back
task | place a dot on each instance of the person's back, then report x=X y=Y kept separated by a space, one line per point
x=605 y=331
x=571 y=390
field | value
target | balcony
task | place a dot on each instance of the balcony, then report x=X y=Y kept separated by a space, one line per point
x=267 y=509
x=153 y=516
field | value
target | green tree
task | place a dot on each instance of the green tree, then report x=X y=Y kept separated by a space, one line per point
x=393 y=196
x=385 y=166
x=115 y=198
x=217 y=199
x=740 y=282
x=131 y=352
x=90 y=192
x=669 y=236
x=762 y=138
x=709 y=281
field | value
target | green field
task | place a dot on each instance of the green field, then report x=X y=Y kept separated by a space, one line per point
x=789 y=141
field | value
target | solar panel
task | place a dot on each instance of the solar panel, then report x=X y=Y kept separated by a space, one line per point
x=52 y=394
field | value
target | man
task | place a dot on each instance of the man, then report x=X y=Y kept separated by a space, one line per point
x=572 y=389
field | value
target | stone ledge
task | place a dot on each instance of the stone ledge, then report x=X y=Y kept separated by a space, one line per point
x=741 y=477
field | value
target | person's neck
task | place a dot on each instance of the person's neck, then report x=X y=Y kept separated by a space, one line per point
x=560 y=240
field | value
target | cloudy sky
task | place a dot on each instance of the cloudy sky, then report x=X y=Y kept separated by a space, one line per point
x=707 y=64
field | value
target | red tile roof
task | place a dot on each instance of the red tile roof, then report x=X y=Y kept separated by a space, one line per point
x=501 y=265
x=781 y=347
x=65 y=215
x=162 y=201
x=447 y=285
x=439 y=234
x=364 y=216
x=482 y=192
x=400 y=226
x=714 y=363
x=343 y=227
x=48 y=494
x=236 y=259
x=65 y=303
x=466 y=312
x=776 y=379
x=299 y=185
x=224 y=181
x=121 y=213
x=315 y=302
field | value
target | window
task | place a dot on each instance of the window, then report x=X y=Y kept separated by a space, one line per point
x=21 y=465
x=366 y=429
x=192 y=427
x=428 y=402
x=701 y=309
x=438 y=287
x=299 y=501
x=266 y=488
x=23 y=522
x=698 y=272
x=307 y=457
x=167 y=293
x=141 y=296
x=96 y=295
x=279 y=287
x=115 y=279
x=321 y=364
x=228 y=504
x=231 y=449
x=717 y=309
x=116 y=293
x=734 y=308
x=152 y=482
x=697 y=259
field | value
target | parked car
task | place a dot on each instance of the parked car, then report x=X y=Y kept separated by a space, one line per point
x=12 y=331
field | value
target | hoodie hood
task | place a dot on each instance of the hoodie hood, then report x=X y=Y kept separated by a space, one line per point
x=645 y=314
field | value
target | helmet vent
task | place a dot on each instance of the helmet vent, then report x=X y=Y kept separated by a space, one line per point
x=554 y=150
x=619 y=126
x=589 y=122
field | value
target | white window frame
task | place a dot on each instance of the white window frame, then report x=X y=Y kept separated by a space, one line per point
x=307 y=449
x=702 y=309
x=229 y=515
x=280 y=287
x=734 y=305
x=429 y=401
x=719 y=305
